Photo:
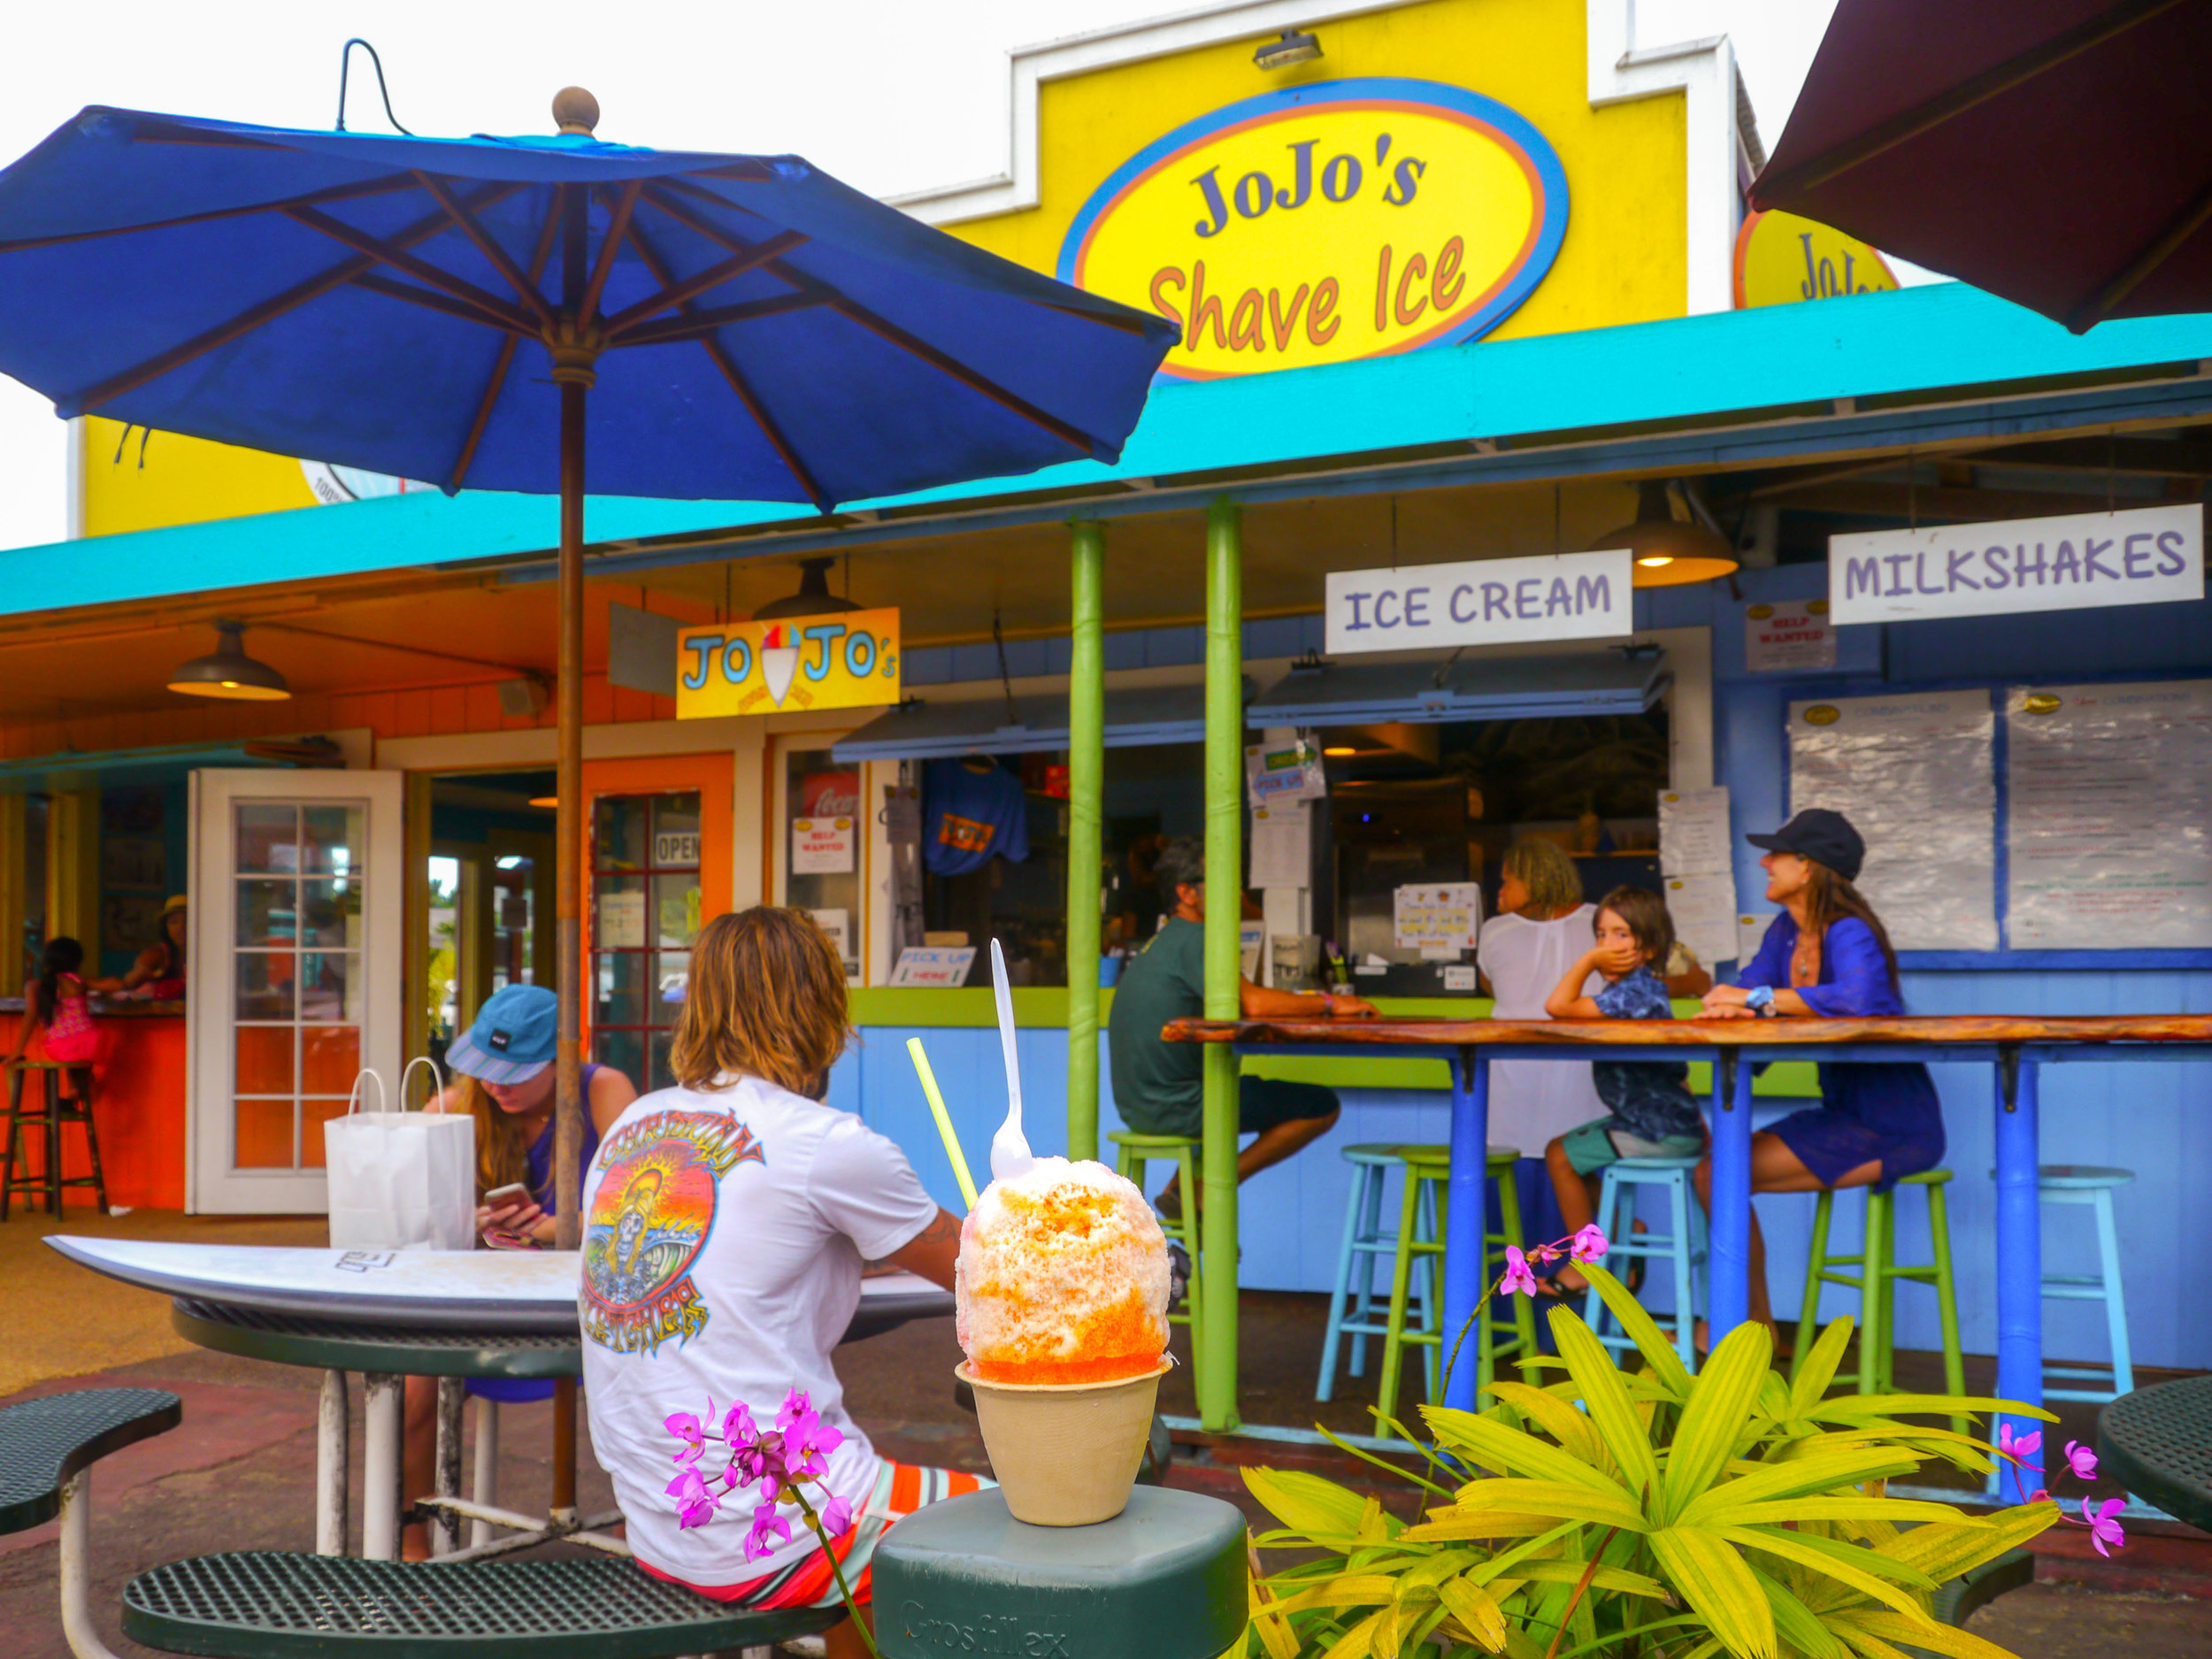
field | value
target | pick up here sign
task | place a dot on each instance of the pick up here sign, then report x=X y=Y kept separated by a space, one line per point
x=2083 y=561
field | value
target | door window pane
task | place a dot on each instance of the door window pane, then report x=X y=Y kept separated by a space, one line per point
x=298 y=871
x=645 y=913
x=823 y=835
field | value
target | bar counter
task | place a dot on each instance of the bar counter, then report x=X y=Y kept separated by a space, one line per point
x=137 y=1103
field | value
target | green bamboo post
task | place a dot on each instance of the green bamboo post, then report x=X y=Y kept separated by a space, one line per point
x=1216 y=1370
x=1086 y=788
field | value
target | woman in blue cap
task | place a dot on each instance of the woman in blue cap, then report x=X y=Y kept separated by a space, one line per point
x=1828 y=955
x=504 y=1078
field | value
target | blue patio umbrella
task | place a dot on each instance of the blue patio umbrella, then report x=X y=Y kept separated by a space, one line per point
x=485 y=312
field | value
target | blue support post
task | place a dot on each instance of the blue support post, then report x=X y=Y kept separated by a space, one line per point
x=1729 y=1283
x=1465 y=1279
x=2019 y=1251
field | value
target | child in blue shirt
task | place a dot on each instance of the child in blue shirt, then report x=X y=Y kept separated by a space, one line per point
x=1652 y=1113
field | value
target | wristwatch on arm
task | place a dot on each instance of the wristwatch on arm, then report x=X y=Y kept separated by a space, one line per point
x=1760 y=1001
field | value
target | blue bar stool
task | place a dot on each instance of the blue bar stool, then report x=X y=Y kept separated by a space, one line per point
x=1365 y=1240
x=2091 y=1185
x=1683 y=1246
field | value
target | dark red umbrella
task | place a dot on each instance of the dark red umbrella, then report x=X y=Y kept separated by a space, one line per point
x=2054 y=151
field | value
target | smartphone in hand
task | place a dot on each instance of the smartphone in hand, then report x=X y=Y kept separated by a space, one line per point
x=507 y=1197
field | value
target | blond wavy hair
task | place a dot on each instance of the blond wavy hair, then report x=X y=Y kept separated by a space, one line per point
x=767 y=1000
x=1554 y=884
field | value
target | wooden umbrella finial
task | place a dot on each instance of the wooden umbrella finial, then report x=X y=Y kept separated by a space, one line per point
x=575 y=111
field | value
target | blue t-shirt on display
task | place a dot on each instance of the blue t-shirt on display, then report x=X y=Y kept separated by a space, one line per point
x=972 y=817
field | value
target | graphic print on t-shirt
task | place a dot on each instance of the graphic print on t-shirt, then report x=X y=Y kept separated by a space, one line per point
x=660 y=1181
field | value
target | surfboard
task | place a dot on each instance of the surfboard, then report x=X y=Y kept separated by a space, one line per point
x=526 y=1291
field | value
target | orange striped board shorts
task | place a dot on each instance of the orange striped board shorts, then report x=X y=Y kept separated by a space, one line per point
x=901 y=1489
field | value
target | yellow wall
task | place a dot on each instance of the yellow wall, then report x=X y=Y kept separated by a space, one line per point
x=182 y=481
x=1623 y=259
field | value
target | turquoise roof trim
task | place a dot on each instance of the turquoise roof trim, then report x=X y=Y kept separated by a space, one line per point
x=1785 y=356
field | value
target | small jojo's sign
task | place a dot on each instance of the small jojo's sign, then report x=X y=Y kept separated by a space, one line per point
x=1320 y=224
x=845 y=661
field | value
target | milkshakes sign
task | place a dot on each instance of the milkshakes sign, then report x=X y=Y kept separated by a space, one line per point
x=1480 y=601
x=2082 y=561
x=1324 y=223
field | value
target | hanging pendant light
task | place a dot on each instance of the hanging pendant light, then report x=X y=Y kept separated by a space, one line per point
x=813 y=599
x=230 y=673
x=1670 y=552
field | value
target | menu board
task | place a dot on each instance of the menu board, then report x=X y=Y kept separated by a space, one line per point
x=2109 y=790
x=1916 y=775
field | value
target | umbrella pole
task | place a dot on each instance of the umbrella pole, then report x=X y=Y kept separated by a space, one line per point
x=572 y=373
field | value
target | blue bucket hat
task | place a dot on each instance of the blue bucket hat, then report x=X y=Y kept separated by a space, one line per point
x=512 y=1039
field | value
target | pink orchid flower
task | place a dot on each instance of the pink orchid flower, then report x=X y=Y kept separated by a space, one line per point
x=2103 y=1528
x=1589 y=1244
x=2081 y=1460
x=697 y=1503
x=837 y=1518
x=766 y=1522
x=737 y=1427
x=691 y=1432
x=2024 y=1447
x=1518 y=1280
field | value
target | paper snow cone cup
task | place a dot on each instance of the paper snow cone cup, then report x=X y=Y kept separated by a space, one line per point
x=1065 y=1454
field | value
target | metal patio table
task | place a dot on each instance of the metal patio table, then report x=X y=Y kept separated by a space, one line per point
x=2158 y=1442
x=2015 y=1049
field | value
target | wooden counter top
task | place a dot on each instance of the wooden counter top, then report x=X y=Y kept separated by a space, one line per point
x=1933 y=1030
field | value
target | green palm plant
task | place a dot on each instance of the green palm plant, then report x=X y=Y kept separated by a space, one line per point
x=1647 y=1514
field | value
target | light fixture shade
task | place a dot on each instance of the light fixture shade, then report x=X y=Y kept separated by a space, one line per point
x=813 y=599
x=1669 y=551
x=1296 y=46
x=230 y=673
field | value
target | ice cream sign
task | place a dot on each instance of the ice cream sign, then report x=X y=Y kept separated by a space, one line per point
x=846 y=661
x=1324 y=223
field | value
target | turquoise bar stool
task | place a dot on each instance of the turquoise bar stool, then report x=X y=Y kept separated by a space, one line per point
x=2092 y=1186
x=1682 y=1246
x=1421 y=1210
x=1352 y=1301
x=1878 y=1261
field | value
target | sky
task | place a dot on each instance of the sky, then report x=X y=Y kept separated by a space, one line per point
x=889 y=95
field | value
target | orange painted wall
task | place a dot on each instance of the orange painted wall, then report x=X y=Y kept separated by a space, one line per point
x=138 y=1112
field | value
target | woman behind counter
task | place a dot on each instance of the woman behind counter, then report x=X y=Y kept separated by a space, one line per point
x=158 y=973
x=1827 y=956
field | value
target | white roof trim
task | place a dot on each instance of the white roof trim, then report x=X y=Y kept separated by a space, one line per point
x=1704 y=71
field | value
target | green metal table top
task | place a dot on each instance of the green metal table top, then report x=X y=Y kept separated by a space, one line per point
x=44 y=1442
x=342 y=1345
x=271 y=1605
x=2158 y=1443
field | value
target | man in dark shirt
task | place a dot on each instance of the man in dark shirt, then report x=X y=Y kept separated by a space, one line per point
x=1157 y=1086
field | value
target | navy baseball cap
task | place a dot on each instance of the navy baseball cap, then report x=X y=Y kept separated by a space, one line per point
x=1822 y=836
x=512 y=1039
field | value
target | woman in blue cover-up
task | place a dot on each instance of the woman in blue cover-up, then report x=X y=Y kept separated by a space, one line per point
x=1827 y=956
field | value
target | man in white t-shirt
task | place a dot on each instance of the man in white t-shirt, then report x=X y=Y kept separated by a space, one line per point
x=725 y=1231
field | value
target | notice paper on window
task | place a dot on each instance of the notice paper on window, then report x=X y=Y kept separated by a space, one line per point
x=1693 y=833
x=1438 y=921
x=1282 y=845
x=1915 y=774
x=1704 y=910
x=2106 y=837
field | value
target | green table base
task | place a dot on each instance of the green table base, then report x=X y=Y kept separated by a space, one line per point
x=2157 y=1442
x=1165 y=1579
x=266 y=1604
x=392 y=1350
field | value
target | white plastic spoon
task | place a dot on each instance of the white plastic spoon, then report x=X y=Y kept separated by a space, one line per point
x=1011 y=1157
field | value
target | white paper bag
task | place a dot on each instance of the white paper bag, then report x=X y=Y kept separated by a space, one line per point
x=399 y=1180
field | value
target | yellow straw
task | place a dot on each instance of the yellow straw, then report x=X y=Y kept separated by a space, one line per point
x=944 y=1120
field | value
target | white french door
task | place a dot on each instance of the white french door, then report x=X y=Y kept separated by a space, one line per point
x=297 y=894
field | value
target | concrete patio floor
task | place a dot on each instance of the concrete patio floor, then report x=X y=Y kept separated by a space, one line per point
x=238 y=1474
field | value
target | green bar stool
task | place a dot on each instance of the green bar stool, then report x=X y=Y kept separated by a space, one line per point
x=2092 y=1188
x=1682 y=1245
x=1421 y=1212
x=1877 y=1261
x=1351 y=1305
x=1133 y=1156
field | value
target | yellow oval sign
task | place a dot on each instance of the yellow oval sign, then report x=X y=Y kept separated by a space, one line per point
x=1784 y=257
x=1320 y=224
x=1822 y=714
x=2040 y=703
